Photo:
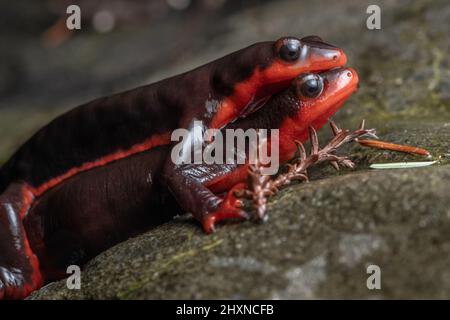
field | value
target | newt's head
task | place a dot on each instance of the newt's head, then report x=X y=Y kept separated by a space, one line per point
x=312 y=100
x=295 y=56
x=248 y=77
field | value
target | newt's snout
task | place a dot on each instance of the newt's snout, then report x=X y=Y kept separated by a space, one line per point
x=321 y=55
x=340 y=83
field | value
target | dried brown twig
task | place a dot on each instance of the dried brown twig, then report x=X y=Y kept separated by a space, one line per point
x=262 y=186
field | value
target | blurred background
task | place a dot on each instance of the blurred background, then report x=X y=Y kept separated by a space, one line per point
x=46 y=69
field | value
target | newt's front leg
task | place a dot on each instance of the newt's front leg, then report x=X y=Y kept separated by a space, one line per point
x=19 y=267
x=194 y=197
x=229 y=208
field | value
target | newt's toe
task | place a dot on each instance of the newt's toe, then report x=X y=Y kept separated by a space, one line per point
x=13 y=285
x=231 y=200
x=229 y=209
x=2 y=290
x=223 y=214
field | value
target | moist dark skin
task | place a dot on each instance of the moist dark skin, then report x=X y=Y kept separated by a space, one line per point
x=108 y=127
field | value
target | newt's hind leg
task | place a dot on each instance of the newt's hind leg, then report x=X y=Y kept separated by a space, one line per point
x=19 y=267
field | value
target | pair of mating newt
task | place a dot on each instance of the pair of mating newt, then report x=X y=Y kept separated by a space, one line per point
x=102 y=172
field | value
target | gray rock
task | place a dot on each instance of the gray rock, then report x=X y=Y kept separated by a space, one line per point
x=318 y=242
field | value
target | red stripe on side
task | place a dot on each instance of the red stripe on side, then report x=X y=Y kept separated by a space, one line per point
x=36 y=280
x=154 y=141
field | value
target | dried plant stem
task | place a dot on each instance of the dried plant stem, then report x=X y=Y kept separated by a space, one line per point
x=393 y=147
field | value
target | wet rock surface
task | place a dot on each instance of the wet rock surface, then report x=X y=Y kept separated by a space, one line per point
x=318 y=243
x=320 y=236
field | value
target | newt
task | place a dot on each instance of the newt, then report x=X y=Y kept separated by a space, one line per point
x=101 y=172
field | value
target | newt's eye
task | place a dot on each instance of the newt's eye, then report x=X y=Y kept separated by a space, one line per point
x=310 y=86
x=289 y=49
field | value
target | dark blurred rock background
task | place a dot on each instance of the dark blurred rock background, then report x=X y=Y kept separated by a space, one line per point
x=321 y=236
x=46 y=69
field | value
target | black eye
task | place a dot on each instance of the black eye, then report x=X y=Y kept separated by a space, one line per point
x=311 y=86
x=289 y=49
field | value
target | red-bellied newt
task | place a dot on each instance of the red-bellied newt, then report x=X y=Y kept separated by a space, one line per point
x=101 y=172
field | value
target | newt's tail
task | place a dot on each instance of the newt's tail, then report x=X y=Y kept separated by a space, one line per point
x=19 y=266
